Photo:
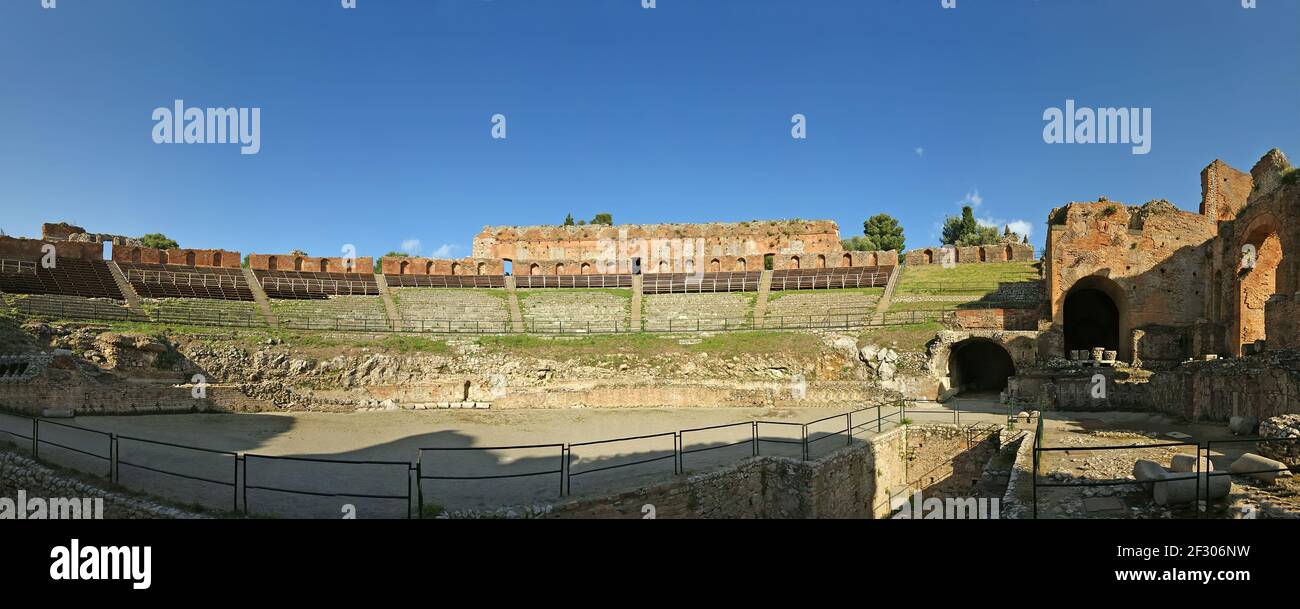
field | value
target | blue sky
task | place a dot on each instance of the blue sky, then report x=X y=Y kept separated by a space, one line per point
x=375 y=125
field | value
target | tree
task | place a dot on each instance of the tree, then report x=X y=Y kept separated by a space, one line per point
x=568 y=220
x=606 y=219
x=964 y=230
x=159 y=241
x=882 y=232
x=298 y=253
x=247 y=261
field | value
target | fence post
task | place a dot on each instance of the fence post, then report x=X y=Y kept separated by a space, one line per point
x=848 y=429
x=419 y=483
x=244 y=483
x=754 y=430
x=36 y=431
x=113 y=470
x=878 y=421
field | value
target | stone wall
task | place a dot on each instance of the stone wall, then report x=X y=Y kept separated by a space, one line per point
x=1282 y=318
x=1005 y=252
x=309 y=264
x=189 y=257
x=998 y=319
x=18 y=472
x=30 y=249
x=853 y=482
x=592 y=242
x=402 y=265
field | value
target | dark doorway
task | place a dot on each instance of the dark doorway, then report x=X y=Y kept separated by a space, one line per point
x=1091 y=320
x=465 y=398
x=979 y=364
x=636 y=266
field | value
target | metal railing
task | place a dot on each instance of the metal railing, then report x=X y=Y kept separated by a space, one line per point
x=336 y=287
x=200 y=280
x=17 y=267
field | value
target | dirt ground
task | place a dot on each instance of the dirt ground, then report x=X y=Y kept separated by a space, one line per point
x=393 y=439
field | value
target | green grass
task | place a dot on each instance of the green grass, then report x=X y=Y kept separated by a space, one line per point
x=399 y=343
x=646 y=344
x=877 y=292
x=934 y=278
x=911 y=337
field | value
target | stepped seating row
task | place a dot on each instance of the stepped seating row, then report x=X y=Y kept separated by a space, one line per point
x=452 y=310
x=707 y=311
x=179 y=281
x=574 y=310
x=207 y=312
x=68 y=277
x=669 y=283
x=58 y=306
x=306 y=285
x=573 y=281
x=797 y=309
x=445 y=281
x=840 y=278
x=331 y=313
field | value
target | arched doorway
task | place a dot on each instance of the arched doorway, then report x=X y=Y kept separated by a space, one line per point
x=1008 y=254
x=324 y=265
x=979 y=364
x=740 y=264
x=794 y=262
x=271 y=263
x=535 y=269
x=455 y=268
x=847 y=261
x=1093 y=316
x=402 y=268
x=872 y=260
x=821 y=261
x=715 y=266
x=929 y=256
x=189 y=259
x=216 y=259
x=585 y=268
x=984 y=257
x=1256 y=282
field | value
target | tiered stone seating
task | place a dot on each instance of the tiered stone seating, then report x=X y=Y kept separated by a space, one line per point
x=58 y=306
x=69 y=277
x=445 y=281
x=832 y=278
x=573 y=281
x=316 y=286
x=821 y=308
x=452 y=310
x=332 y=313
x=565 y=310
x=179 y=281
x=708 y=311
x=673 y=283
x=205 y=312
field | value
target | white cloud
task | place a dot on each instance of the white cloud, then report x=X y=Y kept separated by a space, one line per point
x=973 y=199
x=1021 y=227
x=411 y=246
x=444 y=251
x=920 y=151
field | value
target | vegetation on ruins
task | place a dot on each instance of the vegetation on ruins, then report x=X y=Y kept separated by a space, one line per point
x=880 y=232
x=568 y=220
x=159 y=241
x=379 y=262
x=963 y=230
x=604 y=218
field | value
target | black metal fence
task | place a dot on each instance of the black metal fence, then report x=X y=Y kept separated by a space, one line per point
x=1203 y=500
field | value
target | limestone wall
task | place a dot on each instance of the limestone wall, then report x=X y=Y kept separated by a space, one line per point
x=191 y=257
x=1005 y=252
x=310 y=264
x=526 y=243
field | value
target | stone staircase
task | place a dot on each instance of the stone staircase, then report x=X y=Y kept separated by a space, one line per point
x=390 y=307
x=259 y=297
x=452 y=309
x=128 y=292
x=760 y=303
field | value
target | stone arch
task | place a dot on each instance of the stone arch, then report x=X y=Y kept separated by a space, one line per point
x=847 y=261
x=559 y=268
x=403 y=267
x=983 y=255
x=271 y=262
x=297 y=263
x=534 y=269
x=794 y=262
x=929 y=256
x=873 y=259
x=740 y=264
x=189 y=259
x=324 y=265
x=455 y=268
x=480 y=268
x=216 y=259
x=1256 y=285
x=428 y=268
x=979 y=364
x=1008 y=253
x=821 y=261
x=585 y=269
x=1095 y=314
x=715 y=265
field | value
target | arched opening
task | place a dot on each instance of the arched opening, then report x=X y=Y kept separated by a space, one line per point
x=847 y=261
x=636 y=266
x=715 y=265
x=872 y=259
x=428 y=267
x=324 y=265
x=585 y=268
x=740 y=264
x=984 y=257
x=769 y=261
x=189 y=259
x=216 y=259
x=455 y=268
x=559 y=269
x=403 y=267
x=979 y=364
x=794 y=262
x=929 y=256
x=135 y=255
x=480 y=269
x=1093 y=317
x=271 y=263
x=663 y=267
x=821 y=261
x=1256 y=283
x=690 y=265
x=465 y=394
x=535 y=269
x=1008 y=254
x=297 y=264
x=507 y=266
